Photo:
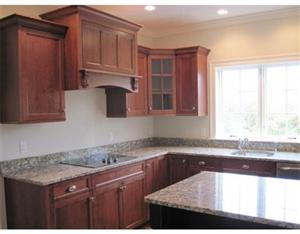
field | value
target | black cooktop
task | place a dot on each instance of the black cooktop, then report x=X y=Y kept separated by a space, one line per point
x=98 y=160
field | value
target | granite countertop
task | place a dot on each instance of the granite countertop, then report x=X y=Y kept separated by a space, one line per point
x=264 y=200
x=45 y=175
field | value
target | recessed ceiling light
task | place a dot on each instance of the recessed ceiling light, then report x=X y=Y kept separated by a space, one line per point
x=149 y=8
x=222 y=12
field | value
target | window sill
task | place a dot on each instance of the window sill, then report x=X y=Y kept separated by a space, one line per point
x=265 y=140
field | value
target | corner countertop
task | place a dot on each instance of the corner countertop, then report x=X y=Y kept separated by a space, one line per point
x=54 y=173
x=257 y=199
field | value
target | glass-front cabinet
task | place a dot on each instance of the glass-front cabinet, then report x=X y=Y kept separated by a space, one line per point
x=162 y=84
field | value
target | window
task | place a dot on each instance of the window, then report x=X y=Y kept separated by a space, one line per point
x=258 y=101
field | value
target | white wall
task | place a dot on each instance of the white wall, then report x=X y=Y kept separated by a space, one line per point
x=86 y=123
x=86 y=126
x=251 y=40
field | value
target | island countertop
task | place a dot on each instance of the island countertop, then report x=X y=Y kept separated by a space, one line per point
x=271 y=201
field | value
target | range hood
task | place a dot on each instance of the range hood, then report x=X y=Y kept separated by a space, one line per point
x=102 y=79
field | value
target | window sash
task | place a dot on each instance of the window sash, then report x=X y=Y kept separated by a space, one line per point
x=262 y=97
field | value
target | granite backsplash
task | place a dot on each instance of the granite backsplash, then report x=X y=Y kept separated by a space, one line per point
x=44 y=160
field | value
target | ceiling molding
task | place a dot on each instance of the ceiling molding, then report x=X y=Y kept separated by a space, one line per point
x=226 y=22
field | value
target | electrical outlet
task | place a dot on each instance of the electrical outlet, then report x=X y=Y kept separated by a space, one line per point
x=23 y=147
x=203 y=132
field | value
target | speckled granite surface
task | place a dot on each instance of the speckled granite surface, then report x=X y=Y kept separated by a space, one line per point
x=53 y=173
x=256 y=199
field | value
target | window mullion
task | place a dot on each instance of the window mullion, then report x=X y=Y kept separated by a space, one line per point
x=263 y=101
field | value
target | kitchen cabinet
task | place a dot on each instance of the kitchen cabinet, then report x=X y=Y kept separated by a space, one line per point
x=191 y=81
x=110 y=199
x=156 y=176
x=123 y=104
x=119 y=197
x=96 y=43
x=72 y=204
x=32 y=71
x=178 y=168
x=198 y=164
x=161 y=82
x=250 y=167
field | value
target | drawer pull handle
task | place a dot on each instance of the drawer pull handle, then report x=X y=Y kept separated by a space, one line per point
x=122 y=188
x=245 y=166
x=72 y=188
x=201 y=163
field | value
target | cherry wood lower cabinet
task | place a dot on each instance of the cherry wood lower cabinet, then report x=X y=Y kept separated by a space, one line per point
x=249 y=167
x=178 y=168
x=110 y=199
x=119 y=198
x=157 y=176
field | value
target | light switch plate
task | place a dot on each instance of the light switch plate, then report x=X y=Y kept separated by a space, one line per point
x=23 y=147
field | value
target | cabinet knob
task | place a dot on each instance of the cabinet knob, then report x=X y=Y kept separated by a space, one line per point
x=245 y=166
x=193 y=108
x=183 y=160
x=150 y=107
x=92 y=199
x=72 y=188
x=201 y=163
x=128 y=109
x=122 y=188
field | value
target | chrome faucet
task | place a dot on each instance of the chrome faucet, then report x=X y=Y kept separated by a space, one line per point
x=243 y=145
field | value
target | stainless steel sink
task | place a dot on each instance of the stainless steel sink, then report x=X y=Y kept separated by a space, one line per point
x=253 y=153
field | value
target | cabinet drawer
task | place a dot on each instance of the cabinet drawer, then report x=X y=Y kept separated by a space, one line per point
x=252 y=167
x=117 y=174
x=205 y=163
x=70 y=187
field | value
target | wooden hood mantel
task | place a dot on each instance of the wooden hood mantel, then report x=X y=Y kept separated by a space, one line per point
x=100 y=48
x=98 y=79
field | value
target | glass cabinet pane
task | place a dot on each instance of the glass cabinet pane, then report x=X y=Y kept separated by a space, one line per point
x=167 y=66
x=156 y=83
x=156 y=66
x=167 y=84
x=157 y=101
x=167 y=101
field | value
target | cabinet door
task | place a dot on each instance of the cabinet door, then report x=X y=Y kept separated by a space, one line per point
x=187 y=84
x=91 y=45
x=73 y=213
x=132 y=202
x=161 y=173
x=107 y=206
x=108 y=49
x=126 y=52
x=178 y=166
x=41 y=63
x=137 y=102
x=161 y=84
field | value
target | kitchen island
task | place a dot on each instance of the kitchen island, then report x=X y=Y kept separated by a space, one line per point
x=223 y=200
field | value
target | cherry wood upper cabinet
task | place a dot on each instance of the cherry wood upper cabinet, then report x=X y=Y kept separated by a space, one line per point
x=96 y=42
x=161 y=82
x=191 y=81
x=32 y=57
x=123 y=104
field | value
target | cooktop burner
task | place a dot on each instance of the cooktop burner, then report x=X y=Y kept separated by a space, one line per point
x=98 y=160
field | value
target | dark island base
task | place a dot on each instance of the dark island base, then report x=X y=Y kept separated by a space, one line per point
x=162 y=217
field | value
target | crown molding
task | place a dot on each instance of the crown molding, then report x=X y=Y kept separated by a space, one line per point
x=226 y=22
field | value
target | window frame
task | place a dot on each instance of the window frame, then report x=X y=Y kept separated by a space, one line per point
x=261 y=64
